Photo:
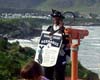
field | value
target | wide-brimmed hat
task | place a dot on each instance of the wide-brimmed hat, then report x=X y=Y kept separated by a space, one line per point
x=56 y=13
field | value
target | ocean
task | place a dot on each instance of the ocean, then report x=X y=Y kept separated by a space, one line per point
x=89 y=49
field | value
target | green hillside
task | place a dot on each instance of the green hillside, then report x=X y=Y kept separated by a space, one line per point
x=85 y=6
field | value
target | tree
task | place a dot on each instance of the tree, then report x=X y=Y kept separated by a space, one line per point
x=12 y=58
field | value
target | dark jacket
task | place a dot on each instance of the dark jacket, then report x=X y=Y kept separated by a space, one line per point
x=64 y=42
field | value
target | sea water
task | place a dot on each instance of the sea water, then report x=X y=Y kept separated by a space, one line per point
x=89 y=49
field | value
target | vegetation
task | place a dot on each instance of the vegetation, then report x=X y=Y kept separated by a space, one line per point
x=83 y=73
x=85 y=6
x=20 y=28
x=12 y=57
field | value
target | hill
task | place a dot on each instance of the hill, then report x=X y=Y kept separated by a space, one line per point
x=85 y=6
x=20 y=4
x=20 y=28
x=46 y=5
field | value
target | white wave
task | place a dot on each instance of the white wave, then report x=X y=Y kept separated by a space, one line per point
x=88 y=55
x=36 y=39
x=44 y=27
x=94 y=68
x=19 y=40
x=26 y=43
x=95 y=44
x=92 y=38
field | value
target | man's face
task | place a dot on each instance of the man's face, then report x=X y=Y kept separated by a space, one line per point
x=56 y=20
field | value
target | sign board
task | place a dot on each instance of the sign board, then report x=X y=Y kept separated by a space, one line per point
x=48 y=49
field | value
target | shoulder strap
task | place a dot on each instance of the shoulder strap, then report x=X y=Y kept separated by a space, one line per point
x=50 y=28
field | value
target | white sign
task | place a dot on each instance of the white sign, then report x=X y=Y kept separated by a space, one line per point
x=48 y=49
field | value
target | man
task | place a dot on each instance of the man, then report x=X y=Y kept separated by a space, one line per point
x=58 y=71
